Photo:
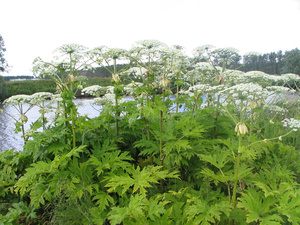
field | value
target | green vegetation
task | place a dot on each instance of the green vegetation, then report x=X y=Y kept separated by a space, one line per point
x=30 y=87
x=159 y=159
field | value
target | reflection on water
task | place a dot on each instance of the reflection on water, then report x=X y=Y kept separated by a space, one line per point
x=11 y=140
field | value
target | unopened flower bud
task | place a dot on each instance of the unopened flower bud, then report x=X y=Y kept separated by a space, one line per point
x=280 y=138
x=253 y=105
x=165 y=82
x=23 y=118
x=241 y=128
x=116 y=78
x=71 y=78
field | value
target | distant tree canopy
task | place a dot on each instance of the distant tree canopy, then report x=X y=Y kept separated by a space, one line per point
x=291 y=62
x=3 y=67
x=3 y=63
x=19 y=77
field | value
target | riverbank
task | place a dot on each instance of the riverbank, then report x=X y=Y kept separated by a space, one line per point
x=29 y=87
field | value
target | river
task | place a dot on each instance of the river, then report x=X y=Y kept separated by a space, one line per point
x=11 y=140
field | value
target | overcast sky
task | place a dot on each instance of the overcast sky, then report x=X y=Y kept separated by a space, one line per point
x=35 y=28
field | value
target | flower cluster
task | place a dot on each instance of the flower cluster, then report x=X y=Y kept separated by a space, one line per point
x=136 y=72
x=149 y=44
x=57 y=98
x=199 y=88
x=39 y=97
x=131 y=87
x=234 y=77
x=94 y=90
x=277 y=109
x=246 y=91
x=114 y=53
x=291 y=123
x=291 y=76
x=203 y=51
x=17 y=100
x=280 y=89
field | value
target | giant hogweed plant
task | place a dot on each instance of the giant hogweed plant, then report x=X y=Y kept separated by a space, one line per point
x=191 y=170
x=69 y=62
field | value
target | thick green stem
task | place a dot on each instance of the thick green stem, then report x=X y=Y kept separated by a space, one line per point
x=236 y=176
x=161 y=130
x=177 y=95
x=147 y=104
x=216 y=116
x=252 y=121
x=117 y=113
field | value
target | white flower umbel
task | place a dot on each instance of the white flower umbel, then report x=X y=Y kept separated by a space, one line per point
x=136 y=72
x=280 y=89
x=199 y=88
x=40 y=97
x=203 y=51
x=17 y=100
x=233 y=77
x=149 y=44
x=204 y=66
x=56 y=98
x=243 y=91
x=291 y=123
x=131 y=87
x=94 y=90
x=277 y=109
x=291 y=76
x=257 y=74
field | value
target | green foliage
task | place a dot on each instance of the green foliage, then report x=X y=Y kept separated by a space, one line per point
x=3 y=89
x=145 y=161
x=30 y=87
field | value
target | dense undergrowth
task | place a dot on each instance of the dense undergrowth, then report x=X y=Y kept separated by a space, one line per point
x=223 y=150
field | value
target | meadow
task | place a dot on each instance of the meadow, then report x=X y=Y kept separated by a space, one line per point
x=224 y=150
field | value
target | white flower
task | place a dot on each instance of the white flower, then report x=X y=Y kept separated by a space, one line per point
x=57 y=98
x=135 y=71
x=291 y=123
x=291 y=76
x=235 y=76
x=110 y=89
x=149 y=44
x=94 y=90
x=280 y=89
x=131 y=87
x=217 y=88
x=277 y=109
x=39 y=97
x=17 y=99
x=244 y=90
x=203 y=51
x=199 y=88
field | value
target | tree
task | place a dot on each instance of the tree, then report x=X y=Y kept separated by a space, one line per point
x=3 y=68
x=291 y=62
x=3 y=63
